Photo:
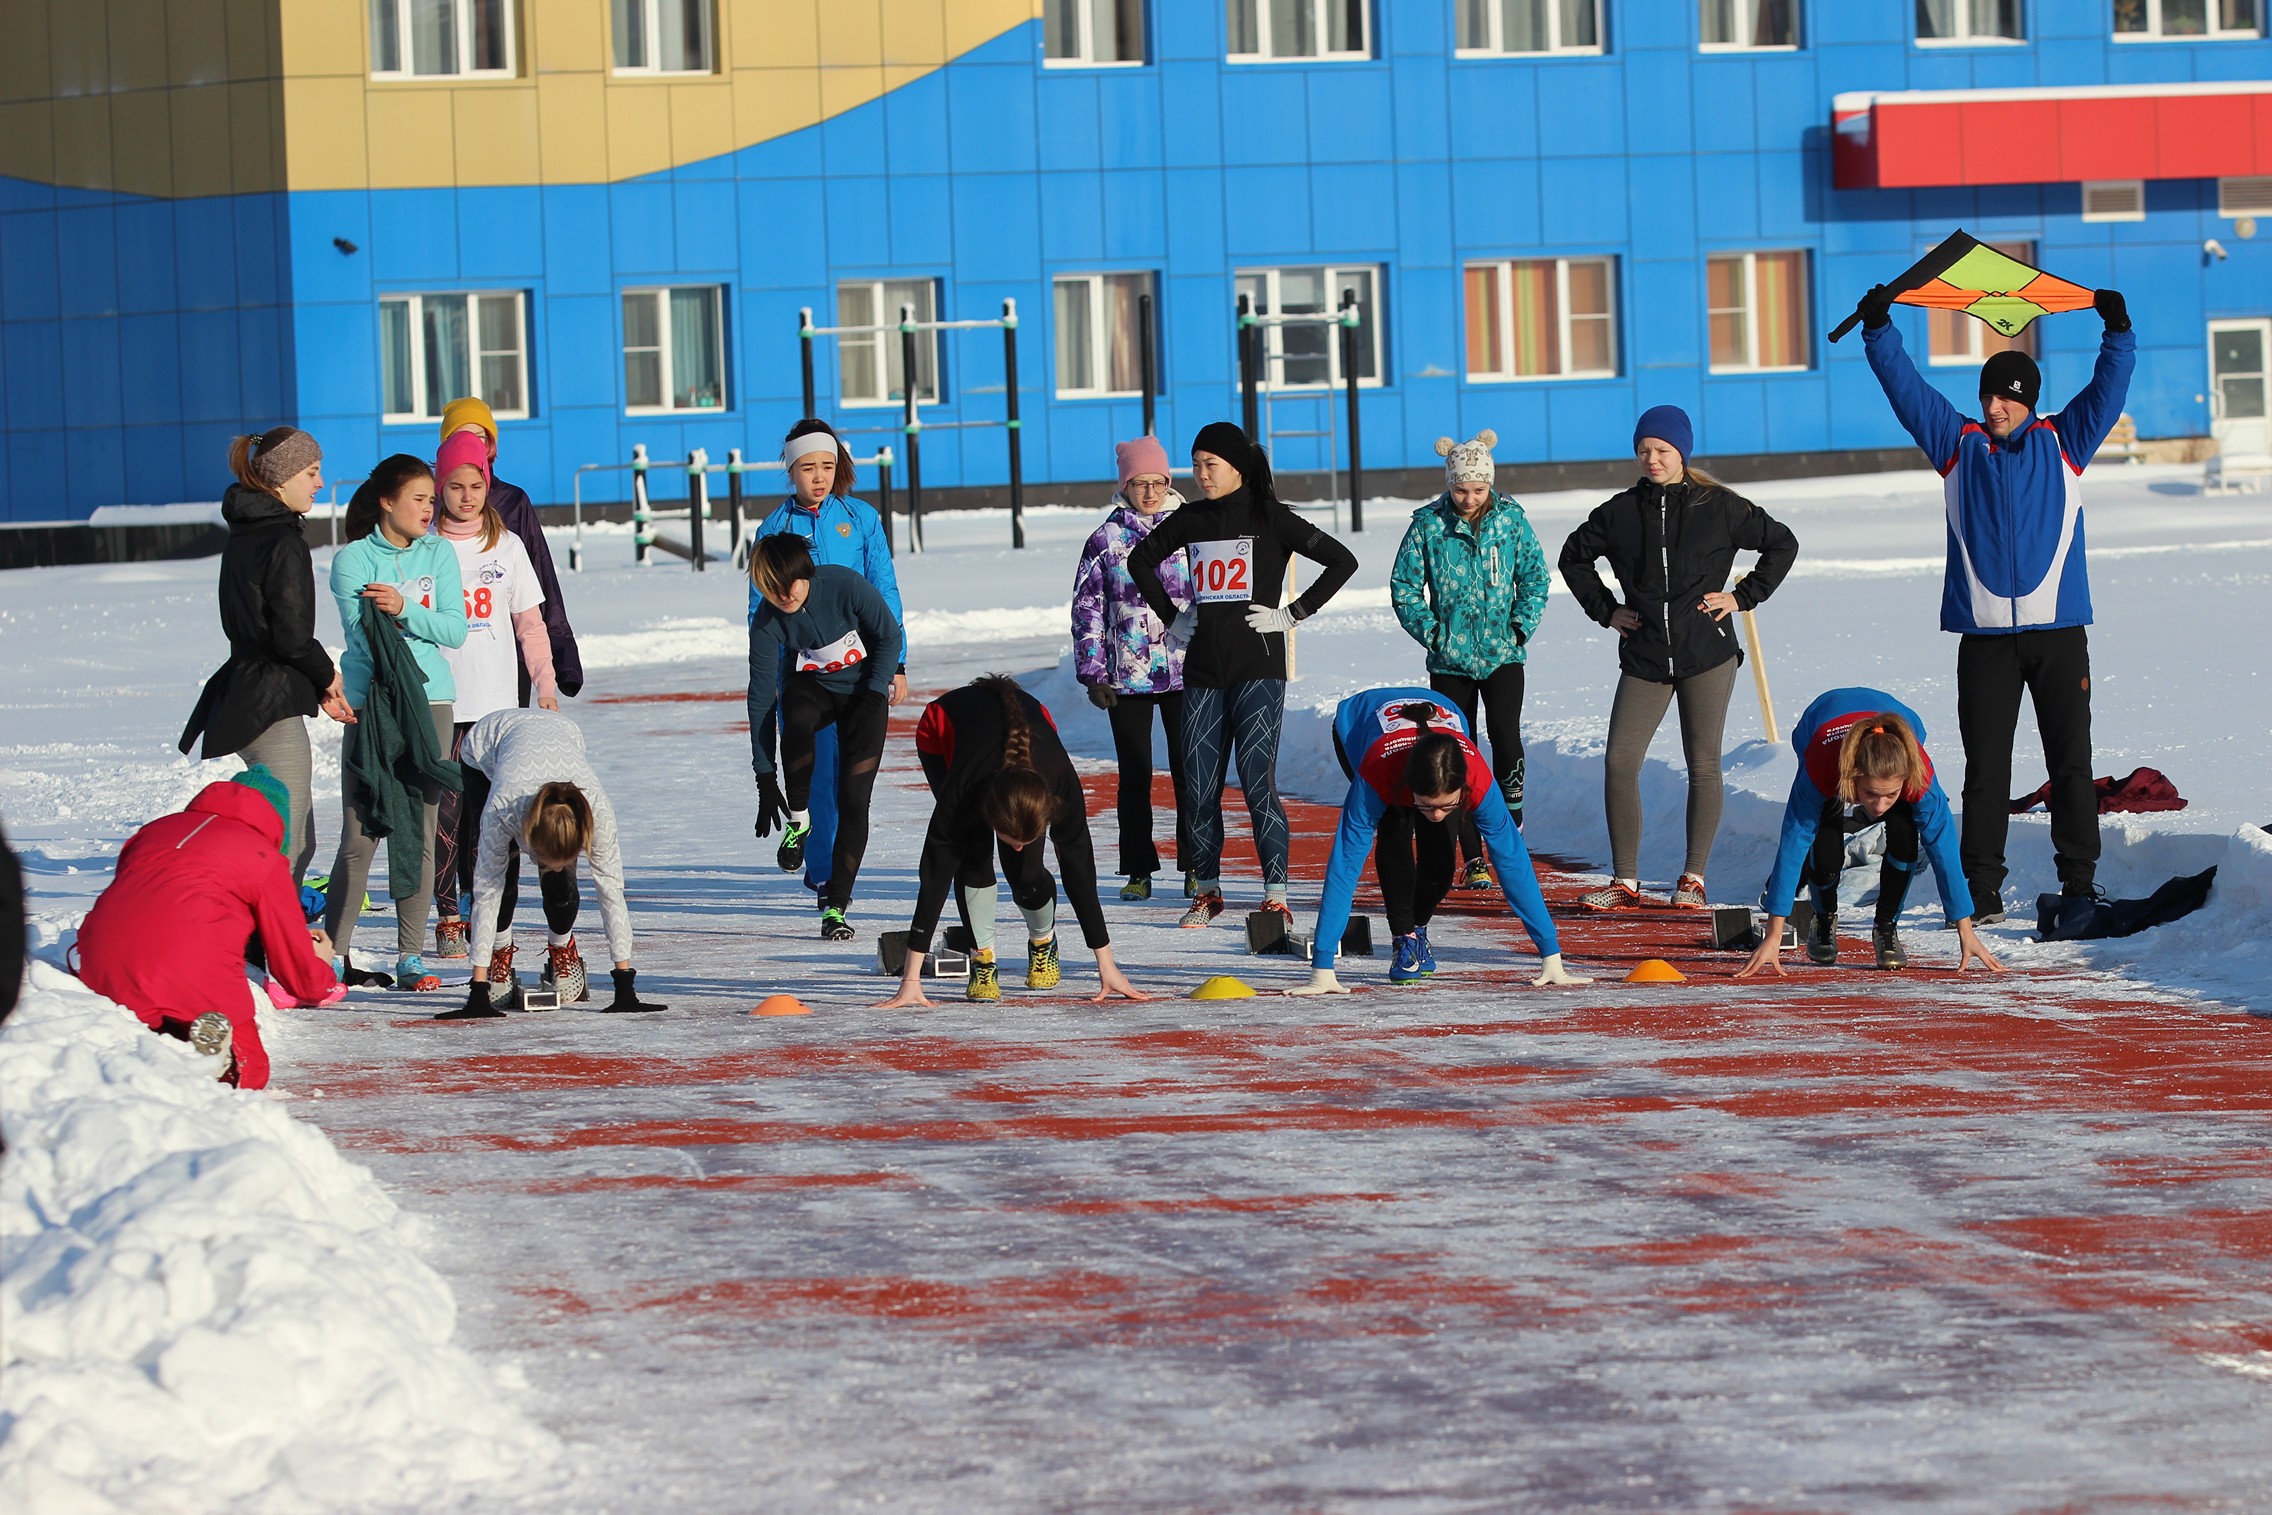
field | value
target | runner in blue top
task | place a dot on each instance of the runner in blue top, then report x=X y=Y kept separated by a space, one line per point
x=844 y=533
x=1415 y=769
x=1864 y=748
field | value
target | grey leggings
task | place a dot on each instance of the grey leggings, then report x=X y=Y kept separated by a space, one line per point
x=284 y=748
x=1633 y=720
x=351 y=869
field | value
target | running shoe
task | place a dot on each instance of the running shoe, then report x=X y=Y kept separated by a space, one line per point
x=1615 y=896
x=504 y=983
x=985 y=982
x=1689 y=894
x=1138 y=887
x=1427 y=953
x=791 y=853
x=211 y=1034
x=1042 y=968
x=1887 y=940
x=564 y=973
x=450 y=938
x=1273 y=905
x=410 y=974
x=1478 y=875
x=1204 y=909
x=1822 y=939
x=833 y=926
x=1404 y=964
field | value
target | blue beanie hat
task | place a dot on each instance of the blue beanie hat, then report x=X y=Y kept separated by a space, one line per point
x=1667 y=423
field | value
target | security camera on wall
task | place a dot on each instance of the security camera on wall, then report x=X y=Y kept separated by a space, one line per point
x=2214 y=248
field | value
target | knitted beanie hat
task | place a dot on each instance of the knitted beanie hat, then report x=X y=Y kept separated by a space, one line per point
x=464 y=449
x=1469 y=462
x=1141 y=457
x=1227 y=442
x=285 y=456
x=469 y=411
x=2011 y=375
x=1667 y=423
x=269 y=787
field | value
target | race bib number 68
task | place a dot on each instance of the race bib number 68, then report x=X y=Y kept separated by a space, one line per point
x=1224 y=570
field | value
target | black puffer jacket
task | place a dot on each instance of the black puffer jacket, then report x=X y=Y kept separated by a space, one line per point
x=276 y=666
x=1670 y=545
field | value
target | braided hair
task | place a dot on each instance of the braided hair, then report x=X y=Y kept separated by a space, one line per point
x=1437 y=763
x=1019 y=804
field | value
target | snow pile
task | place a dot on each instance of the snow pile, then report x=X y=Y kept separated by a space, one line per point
x=2224 y=948
x=204 y=1302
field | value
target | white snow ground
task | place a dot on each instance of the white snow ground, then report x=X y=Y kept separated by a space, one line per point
x=156 y=1360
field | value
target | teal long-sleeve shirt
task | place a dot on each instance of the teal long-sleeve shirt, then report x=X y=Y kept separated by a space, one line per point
x=433 y=607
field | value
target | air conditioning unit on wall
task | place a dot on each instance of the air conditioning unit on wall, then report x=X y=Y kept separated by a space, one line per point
x=2114 y=200
x=2245 y=197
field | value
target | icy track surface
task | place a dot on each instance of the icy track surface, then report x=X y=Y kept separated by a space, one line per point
x=1839 y=1242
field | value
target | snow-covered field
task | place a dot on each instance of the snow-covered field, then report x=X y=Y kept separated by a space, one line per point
x=207 y=1306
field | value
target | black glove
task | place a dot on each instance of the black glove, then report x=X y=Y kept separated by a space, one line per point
x=476 y=1006
x=1876 y=307
x=627 y=998
x=2112 y=309
x=772 y=809
x=1102 y=696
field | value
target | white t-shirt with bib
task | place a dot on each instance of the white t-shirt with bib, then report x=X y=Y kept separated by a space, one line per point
x=499 y=582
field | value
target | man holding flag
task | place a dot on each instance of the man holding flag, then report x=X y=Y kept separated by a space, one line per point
x=2016 y=590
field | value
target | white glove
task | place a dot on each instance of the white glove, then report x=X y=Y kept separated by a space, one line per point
x=1182 y=628
x=1269 y=618
x=1551 y=971
x=1322 y=981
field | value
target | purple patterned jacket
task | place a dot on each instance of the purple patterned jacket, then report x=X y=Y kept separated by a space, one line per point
x=1117 y=641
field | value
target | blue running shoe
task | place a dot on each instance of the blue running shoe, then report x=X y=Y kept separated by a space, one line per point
x=1427 y=953
x=1404 y=967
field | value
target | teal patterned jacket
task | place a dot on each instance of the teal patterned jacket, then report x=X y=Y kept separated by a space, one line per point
x=1471 y=595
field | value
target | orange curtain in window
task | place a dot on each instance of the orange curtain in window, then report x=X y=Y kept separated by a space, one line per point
x=1781 y=287
x=1485 y=355
x=1538 y=319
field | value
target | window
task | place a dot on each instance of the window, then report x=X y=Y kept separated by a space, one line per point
x=1952 y=337
x=1100 y=335
x=1267 y=29
x=1758 y=311
x=2114 y=200
x=1750 y=24
x=1092 y=32
x=423 y=37
x=1969 y=21
x=1309 y=356
x=2147 y=20
x=869 y=370
x=674 y=349
x=2244 y=197
x=435 y=348
x=662 y=36
x=1529 y=26
x=1541 y=318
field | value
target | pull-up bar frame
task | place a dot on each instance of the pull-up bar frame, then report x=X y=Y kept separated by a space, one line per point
x=1347 y=318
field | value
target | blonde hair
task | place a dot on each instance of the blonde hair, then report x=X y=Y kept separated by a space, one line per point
x=1695 y=475
x=559 y=825
x=1880 y=747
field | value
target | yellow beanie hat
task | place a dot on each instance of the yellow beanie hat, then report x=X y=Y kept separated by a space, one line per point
x=468 y=412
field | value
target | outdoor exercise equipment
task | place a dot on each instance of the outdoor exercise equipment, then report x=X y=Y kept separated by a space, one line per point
x=1254 y=356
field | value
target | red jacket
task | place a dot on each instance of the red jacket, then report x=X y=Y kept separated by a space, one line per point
x=167 y=938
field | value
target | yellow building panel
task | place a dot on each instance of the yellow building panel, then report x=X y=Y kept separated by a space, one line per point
x=325 y=146
x=851 y=33
x=410 y=137
x=570 y=36
x=139 y=121
x=325 y=37
x=256 y=50
x=82 y=142
x=24 y=70
x=497 y=135
x=137 y=49
x=27 y=140
x=915 y=33
x=197 y=132
x=971 y=22
x=638 y=133
x=197 y=42
x=571 y=126
x=78 y=47
x=769 y=34
x=843 y=89
x=702 y=120
x=771 y=102
x=257 y=160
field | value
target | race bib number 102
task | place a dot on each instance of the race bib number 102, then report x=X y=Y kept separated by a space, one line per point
x=1223 y=571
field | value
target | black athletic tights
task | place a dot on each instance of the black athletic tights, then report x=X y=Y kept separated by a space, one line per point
x=1502 y=700
x=1829 y=856
x=860 y=718
x=1412 y=860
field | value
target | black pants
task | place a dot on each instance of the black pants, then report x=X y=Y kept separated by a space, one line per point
x=1502 y=698
x=457 y=830
x=1131 y=720
x=1412 y=860
x=2054 y=668
x=860 y=718
x=556 y=889
x=1827 y=859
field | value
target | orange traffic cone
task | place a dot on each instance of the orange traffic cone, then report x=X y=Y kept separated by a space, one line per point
x=1655 y=970
x=781 y=1004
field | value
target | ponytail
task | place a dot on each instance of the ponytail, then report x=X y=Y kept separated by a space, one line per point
x=242 y=451
x=384 y=484
x=559 y=825
x=1018 y=804
x=1437 y=763
x=1880 y=747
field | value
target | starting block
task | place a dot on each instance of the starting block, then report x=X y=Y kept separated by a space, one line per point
x=1736 y=928
x=948 y=961
x=540 y=999
x=1267 y=936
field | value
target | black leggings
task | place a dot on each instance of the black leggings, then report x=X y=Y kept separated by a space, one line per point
x=860 y=718
x=1131 y=717
x=457 y=830
x=557 y=889
x=1829 y=855
x=1502 y=699
x=1412 y=860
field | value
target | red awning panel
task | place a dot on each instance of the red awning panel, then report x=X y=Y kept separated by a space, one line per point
x=1912 y=139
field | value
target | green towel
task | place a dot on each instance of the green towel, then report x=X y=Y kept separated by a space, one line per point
x=395 y=755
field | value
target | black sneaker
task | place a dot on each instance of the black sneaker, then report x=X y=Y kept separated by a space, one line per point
x=1887 y=940
x=833 y=926
x=791 y=853
x=1822 y=939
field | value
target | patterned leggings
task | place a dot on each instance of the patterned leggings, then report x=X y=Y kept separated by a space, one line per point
x=1249 y=715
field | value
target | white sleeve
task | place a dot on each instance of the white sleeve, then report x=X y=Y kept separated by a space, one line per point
x=607 y=877
x=526 y=593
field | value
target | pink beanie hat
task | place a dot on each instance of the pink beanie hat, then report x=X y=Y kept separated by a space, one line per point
x=458 y=449
x=1145 y=455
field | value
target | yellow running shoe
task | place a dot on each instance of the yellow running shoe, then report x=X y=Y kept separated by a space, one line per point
x=1042 y=970
x=985 y=983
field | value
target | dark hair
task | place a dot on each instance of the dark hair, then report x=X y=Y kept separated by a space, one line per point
x=1437 y=763
x=384 y=484
x=241 y=450
x=780 y=560
x=805 y=428
x=1018 y=803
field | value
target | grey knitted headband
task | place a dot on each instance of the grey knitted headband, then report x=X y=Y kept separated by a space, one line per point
x=281 y=459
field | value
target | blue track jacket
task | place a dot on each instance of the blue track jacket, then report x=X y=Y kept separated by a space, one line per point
x=1827 y=719
x=1376 y=741
x=2015 y=508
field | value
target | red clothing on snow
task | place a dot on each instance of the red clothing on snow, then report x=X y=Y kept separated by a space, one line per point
x=167 y=938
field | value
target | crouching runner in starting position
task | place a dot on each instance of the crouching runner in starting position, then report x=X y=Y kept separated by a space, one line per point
x=1415 y=768
x=1864 y=748
x=526 y=771
x=1000 y=779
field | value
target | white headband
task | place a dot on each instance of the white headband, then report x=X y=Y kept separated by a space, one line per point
x=806 y=444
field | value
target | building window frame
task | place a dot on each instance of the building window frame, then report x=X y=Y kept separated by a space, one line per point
x=1501 y=317
x=1267 y=299
x=668 y=359
x=1734 y=11
x=1752 y=308
x=1250 y=23
x=412 y=350
x=883 y=298
x=2152 y=19
x=2136 y=188
x=1978 y=342
x=1099 y=335
x=1083 y=17
x=1494 y=15
x=1967 y=33
x=649 y=14
x=400 y=49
